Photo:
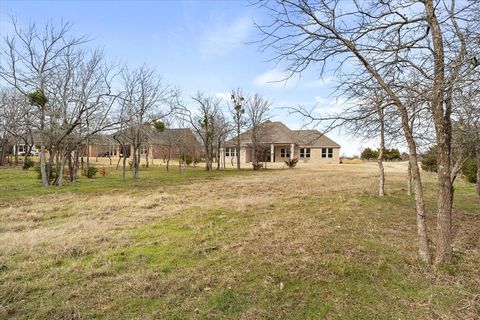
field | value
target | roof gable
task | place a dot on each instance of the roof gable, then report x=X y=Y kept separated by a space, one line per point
x=278 y=132
x=314 y=138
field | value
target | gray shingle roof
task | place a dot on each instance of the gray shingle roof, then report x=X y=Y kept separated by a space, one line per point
x=277 y=132
x=314 y=138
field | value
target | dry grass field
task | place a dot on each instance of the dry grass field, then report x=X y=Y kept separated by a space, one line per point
x=310 y=243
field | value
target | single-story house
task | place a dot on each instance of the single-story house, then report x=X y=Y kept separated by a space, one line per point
x=169 y=143
x=278 y=143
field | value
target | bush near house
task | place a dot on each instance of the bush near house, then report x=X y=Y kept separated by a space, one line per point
x=291 y=163
x=91 y=172
x=187 y=159
x=52 y=170
x=28 y=164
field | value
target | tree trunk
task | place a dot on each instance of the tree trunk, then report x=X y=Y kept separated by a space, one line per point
x=224 y=150
x=443 y=251
x=218 y=154
x=209 y=157
x=124 y=165
x=146 y=157
x=75 y=164
x=238 y=146
x=381 y=177
x=168 y=157
x=87 y=162
x=71 y=167
x=43 y=153
x=43 y=165
x=136 y=161
x=27 y=150
x=2 y=152
x=60 y=167
x=409 y=179
x=478 y=172
x=118 y=162
x=441 y=116
x=423 y=246
x=16 y=155
x=254 y=154
x=424 y=250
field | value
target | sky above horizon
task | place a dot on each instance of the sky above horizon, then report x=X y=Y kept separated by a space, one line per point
x=205 y=46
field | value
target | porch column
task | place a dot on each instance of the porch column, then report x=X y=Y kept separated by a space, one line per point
x=292 y=150
x=272 y=152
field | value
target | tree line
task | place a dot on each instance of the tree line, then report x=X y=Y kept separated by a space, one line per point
x=387 y=154
x=57 y=90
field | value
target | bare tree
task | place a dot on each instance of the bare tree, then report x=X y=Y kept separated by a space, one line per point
x=370 y=116
x=203 y=120
x=17 y=123
x=145 y=99
x=222 y=129
x=466 y=128
x=237 y=110
x=82 y=99
x=29 y=60
x=257 y=108
x=424 y=40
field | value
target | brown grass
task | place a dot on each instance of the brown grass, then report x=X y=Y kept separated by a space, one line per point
x=298 y=243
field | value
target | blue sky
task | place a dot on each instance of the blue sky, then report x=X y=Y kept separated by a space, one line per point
x=197 y=46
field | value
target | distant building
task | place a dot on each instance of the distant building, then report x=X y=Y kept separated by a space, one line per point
x=280 y=143
x=169 y=143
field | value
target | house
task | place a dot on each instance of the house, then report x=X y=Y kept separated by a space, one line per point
x=278 y=143
x=169 y=143
x=173 y=143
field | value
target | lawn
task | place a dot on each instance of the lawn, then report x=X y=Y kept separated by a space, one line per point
x=310 y=243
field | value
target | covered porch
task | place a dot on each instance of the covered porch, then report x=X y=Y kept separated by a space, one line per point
x=273 y=152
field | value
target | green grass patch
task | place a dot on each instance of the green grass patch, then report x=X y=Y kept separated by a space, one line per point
x=311 y=255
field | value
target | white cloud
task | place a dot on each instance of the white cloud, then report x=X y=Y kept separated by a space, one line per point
x=319 y=82
x=330 y=106
x=223 y=37
x=274 y=79
x=223 y=95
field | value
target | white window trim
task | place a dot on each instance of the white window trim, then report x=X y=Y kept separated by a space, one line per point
x=306 y=153
x=230 y=151
x=284 y=152
x=328 y=153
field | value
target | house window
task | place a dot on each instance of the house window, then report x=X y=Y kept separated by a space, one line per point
x=304 y=152
x=143 y=150
x=285 y=152
x=230 y=152
x=327 y=152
